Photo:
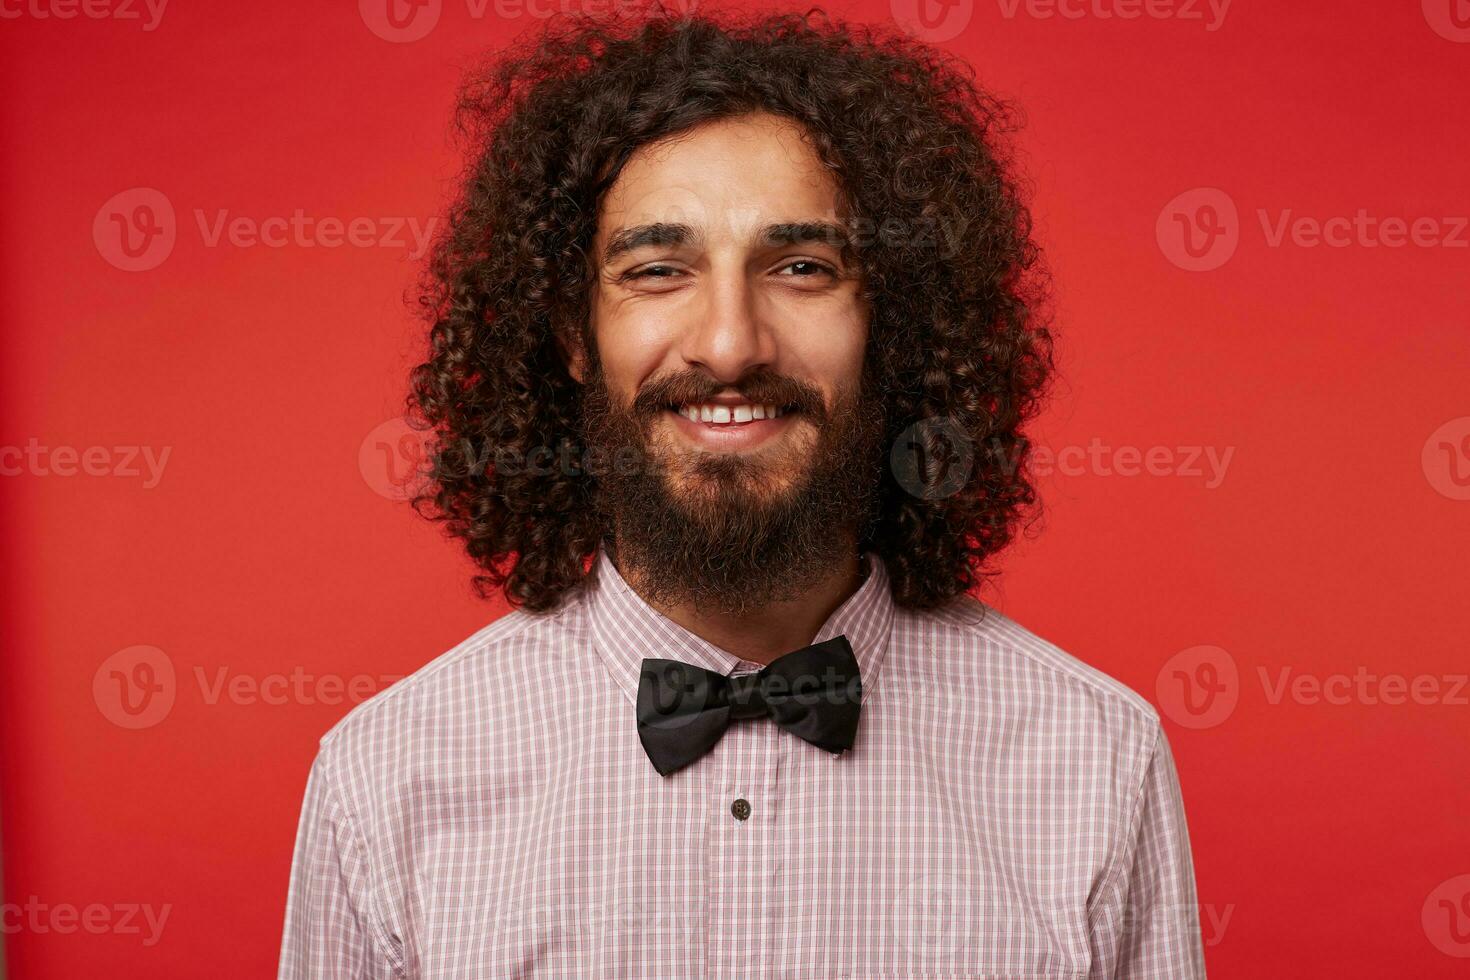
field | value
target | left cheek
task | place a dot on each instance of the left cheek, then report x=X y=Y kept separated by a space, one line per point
x=829 y=352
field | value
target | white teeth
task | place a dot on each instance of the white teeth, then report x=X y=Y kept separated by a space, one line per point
x=727 y=414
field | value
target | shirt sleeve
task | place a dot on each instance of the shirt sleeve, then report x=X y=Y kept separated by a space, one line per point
x=331 y=932
x=1152 y=930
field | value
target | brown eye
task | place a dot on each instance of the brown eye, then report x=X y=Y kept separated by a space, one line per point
x=651 y=272
x=810 y=268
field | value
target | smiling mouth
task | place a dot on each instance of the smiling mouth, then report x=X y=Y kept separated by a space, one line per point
x=738 y=428
x=739 y=414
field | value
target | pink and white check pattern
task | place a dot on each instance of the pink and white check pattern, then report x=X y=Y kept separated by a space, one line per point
x=1007 y=812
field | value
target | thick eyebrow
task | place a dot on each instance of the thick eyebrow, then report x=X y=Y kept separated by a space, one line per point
x=665 y=233
x=638 y=236
x=791 y=232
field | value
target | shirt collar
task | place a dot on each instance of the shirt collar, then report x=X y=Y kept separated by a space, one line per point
x=627 y=629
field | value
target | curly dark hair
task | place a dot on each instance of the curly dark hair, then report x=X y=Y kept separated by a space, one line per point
x=921 y=155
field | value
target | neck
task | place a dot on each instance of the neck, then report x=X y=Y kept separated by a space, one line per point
x=762 y=634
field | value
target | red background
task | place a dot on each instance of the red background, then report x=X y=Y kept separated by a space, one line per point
x=1333 y=542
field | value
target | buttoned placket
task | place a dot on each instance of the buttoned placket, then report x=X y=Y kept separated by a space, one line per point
x=744 y=892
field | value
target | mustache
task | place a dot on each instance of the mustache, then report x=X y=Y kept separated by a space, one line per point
x=692 y=387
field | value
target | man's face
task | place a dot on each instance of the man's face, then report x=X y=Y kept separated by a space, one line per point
x=729 y=334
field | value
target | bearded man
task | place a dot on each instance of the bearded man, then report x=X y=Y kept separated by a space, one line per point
x=734 y=330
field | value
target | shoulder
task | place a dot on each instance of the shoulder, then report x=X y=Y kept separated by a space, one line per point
x=456 y=690
x=1010 y=672
x=1007 y=644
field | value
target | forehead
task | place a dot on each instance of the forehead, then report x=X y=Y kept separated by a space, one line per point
x=726 y=177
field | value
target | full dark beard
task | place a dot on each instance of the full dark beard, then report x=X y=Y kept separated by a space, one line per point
x=710 y=529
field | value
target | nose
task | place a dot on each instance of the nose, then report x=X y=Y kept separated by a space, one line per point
x=728 y=337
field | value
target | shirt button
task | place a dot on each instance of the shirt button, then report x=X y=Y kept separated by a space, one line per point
x=740 y=809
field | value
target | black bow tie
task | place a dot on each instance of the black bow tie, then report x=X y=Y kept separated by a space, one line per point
x=683 y=709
